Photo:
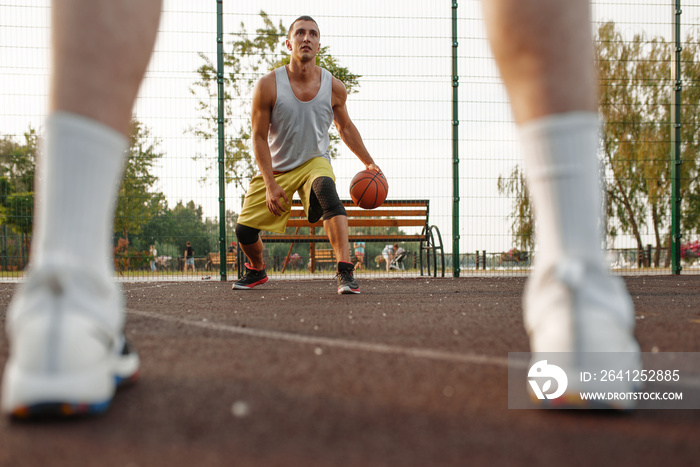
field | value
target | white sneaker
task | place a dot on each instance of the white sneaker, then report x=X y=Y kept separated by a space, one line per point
x=582 y=312
x=67 y=350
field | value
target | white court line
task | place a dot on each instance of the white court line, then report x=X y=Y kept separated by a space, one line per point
x=692 y=382
x=470 y=358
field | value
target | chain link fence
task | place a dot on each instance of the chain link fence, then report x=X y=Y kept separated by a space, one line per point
x=396 y=60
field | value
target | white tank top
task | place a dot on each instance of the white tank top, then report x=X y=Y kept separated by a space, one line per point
x=299 y=130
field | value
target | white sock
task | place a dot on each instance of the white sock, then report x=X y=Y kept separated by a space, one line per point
x=78 y=178
x=560 y=153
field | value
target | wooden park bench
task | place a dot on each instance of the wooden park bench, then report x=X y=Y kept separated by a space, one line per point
x=214 y=261
x=324 y=255
x=395 y=213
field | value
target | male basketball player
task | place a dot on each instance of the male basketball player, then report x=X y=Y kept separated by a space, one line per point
x=293 y=108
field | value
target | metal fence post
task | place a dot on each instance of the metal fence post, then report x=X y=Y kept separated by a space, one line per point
x=676 y=146
x=220 y=123
x=455 y=146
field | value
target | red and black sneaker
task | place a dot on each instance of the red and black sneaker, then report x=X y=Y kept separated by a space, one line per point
x=346 y=279
x=251 y=278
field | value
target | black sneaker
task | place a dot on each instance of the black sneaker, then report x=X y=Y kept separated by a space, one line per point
x=251 y=278
x=346 y=280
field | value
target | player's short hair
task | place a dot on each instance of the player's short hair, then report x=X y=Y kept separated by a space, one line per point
x=301 y=18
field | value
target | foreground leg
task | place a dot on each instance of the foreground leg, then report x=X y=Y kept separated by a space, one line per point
x=67 y=350
x=544 y=51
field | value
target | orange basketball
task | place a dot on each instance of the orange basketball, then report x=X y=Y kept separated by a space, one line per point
x=368 y=189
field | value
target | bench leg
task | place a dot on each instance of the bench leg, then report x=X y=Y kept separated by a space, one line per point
x=286 y=259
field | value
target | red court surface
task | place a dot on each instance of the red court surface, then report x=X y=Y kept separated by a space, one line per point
x=412 y=372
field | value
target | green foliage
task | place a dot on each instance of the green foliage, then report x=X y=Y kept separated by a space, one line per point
x=137 y=200
x=18 y=161
x=250 y=57
x=173 y=228
x=17 y=168
x=19 y=212
x=6 y=190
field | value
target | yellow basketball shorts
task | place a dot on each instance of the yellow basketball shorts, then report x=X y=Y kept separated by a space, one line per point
x=255 y=213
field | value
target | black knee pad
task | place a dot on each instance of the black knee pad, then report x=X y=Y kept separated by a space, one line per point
x=246 y=235
x=327 y=196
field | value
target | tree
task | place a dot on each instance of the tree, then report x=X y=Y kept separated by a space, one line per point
x=20 y=212
x=248 y=60
x=17 y=168
x=172 y=228
x=635 y=89
x=522 y=219
x=636 y=93
x=632 y=81
x=18 y=161
x=138 y=202
x=690 y=136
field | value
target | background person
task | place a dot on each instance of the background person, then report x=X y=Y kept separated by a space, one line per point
x=388 y=254
x=153 y=253
x=189 y=257
x=359 y=247
x=399 y=254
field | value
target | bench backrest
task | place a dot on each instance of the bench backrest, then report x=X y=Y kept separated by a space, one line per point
x=216 y=257
x=390 y=214
x=395 y=213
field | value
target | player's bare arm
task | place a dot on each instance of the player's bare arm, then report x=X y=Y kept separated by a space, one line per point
x=263 y=101
x=346 y=128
